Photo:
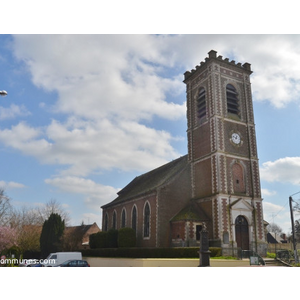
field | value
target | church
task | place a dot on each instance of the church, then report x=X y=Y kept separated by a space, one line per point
x=217 y=183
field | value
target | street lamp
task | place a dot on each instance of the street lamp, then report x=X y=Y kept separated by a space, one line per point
x=293 y=228
x=3 y=93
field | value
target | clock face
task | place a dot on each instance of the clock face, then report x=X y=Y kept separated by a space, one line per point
x=236 y=139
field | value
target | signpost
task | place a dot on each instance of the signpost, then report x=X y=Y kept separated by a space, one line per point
x=254 y=260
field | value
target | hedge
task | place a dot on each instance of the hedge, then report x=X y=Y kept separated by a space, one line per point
x=98 y=240
x=104 y=239
x=183 y=252
x=126 y=237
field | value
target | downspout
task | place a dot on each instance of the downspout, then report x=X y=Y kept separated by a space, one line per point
x=251 y=172
x=230 y=225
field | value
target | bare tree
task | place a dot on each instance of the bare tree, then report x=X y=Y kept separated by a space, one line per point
x=53 y=207
x=28 y=221
x=5 y=208
x=25 y=216
x=272 y=227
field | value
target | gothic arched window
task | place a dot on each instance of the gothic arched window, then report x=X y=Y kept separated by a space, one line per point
x=114 y=224
x=147 y=220
x=201 y=103
x=106 y=222
x=232 y=100
x=123 y=218
x=133 y=218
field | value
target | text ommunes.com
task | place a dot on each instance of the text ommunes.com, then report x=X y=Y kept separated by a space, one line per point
x=26 y=261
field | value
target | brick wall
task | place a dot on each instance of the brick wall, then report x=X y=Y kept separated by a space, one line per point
x=172 y=198
x=202 y=178
x=128 y=206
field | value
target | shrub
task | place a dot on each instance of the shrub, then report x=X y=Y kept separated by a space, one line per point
x=215 y=251
x=93 y=241
x=112 y=238
x=99 y=240
x=12 y=251
x=126 y=237
x=271 y=255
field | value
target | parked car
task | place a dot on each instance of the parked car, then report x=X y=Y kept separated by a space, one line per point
x=75 y=263
x=30 y=263
x=35 y=265
x=55 y=259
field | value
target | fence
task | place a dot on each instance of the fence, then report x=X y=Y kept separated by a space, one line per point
x=272 y=248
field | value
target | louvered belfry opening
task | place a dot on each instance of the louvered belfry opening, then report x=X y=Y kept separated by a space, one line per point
x=232 y=100
x=201 y=103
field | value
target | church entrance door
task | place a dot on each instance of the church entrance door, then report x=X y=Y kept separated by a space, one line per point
x=242 y=233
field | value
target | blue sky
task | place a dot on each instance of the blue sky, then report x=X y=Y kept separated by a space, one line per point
x=85 y=114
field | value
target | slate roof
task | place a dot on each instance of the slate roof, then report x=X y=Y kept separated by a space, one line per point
x=150 y=181
x=273 y=238
x=80 y=230
x=190 y=213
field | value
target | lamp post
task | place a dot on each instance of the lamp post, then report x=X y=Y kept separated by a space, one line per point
x=293 y=229
x=204 y=252
x=3 y=93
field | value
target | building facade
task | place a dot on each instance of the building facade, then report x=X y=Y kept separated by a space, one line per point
x=217 y=182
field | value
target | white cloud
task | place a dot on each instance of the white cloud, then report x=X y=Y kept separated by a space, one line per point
x=11 y=185
x=283 y=170
x=277 y=214
x=271 y=207
x=266 y=192
x=107 y=85
x=87 y=146
x=100 y=76
x=90 y=218
x=274 y=59
x=95 y=194
x=26 y=139
x=276 y=65
x=13 y=111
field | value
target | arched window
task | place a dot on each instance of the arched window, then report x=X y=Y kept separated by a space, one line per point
x=123 y=218
x=147 y=220
x=201 y=103
x=238 y=178
x=114 y=224
x=133 y=218
x=232 y=100
x=106 y=222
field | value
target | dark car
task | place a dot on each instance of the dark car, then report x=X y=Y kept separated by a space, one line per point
x=74 y=263
x=35 y=265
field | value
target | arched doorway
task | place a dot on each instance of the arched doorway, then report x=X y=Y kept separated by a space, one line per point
x=242 y=233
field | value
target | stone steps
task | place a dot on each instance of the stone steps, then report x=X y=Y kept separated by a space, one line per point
x=274 y=262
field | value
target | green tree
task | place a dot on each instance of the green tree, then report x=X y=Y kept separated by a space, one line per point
x=53 y=229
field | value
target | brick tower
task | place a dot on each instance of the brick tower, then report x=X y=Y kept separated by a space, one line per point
x=223 y=154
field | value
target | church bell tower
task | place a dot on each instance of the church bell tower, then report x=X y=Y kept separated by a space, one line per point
x=222 y=152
